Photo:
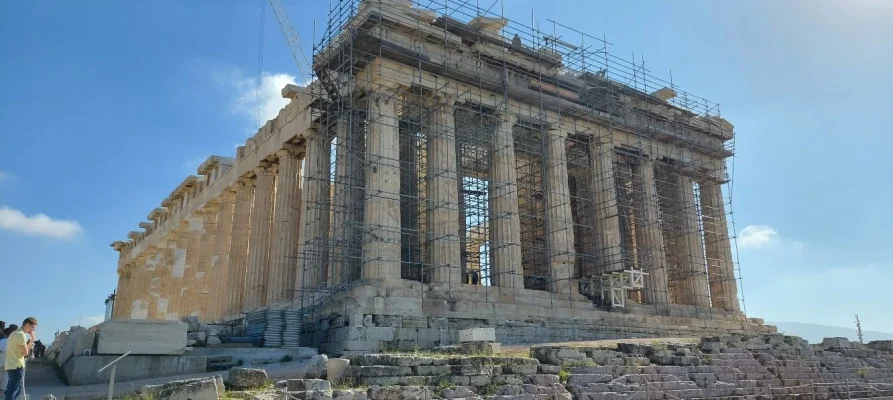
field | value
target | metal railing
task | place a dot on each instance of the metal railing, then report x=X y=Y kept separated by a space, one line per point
x=114 y=365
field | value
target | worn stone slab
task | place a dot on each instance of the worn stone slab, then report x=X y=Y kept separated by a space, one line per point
x=118 y=336
x=190 y=389
x=477 y=335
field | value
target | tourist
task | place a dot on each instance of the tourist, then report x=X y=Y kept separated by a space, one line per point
x=39 y=349
x=18 y=345
x=3 y=334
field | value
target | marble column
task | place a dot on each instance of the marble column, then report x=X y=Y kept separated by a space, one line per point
x=312 y=270
x=284 y=253
x=560 y=224
x=238 y=251
x=649 y=236
x=609 y=257
x=381 y=224
x=259 y=240
x=444 y=246
x=140 y=305
x=691 y=249
x=191 y=289
x=165 y=273
x=179 y=271
x=153 y=267
x=505 y=222
x=205 y=274
x=341 y=226
x=220 y=258
x=721 y=267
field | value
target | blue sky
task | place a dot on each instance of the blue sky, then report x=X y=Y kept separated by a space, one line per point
x=106 y=108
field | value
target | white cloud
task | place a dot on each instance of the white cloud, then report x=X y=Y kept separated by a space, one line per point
x=4 y=176
x=37 y=224
x=255 y=98
x=756 y=236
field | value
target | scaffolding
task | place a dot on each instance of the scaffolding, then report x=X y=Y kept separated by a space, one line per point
x=629 y=128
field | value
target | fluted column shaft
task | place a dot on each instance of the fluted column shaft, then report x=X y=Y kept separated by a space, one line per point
x=609 y=257
x=179 y=271
x=444 y=246
x=259 y=241
x=313 y=271
x=284 y=253
x=560 y=229
x=220 y=258
x=205 y=274
x=154 y=268
x=692 y=248
x=191 y=288
x=165 y=283
x=141 y=295
x=505 y=222
x=381 y=228
x=649 y=236
x=721 y=268
x=238 y=252
x=341 y=227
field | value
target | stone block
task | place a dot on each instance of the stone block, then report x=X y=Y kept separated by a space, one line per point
x=247 y=378
x=548 y=369
x=393 y=321
x=836 y=343
x=584 y=379
x=415 y=322
x=190 y=389
x=477 y=335
x=303 y=385
x=118 y=336
x=73 y=344
x=336 y=368
x=373 y=371
x=400 y=392
x=541 y=379
x=481 y=348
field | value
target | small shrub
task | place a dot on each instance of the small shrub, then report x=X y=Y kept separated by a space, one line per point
x=286 y=358
x=564 y=374
x=445 y=384
x=240 y=362
x=490 y=390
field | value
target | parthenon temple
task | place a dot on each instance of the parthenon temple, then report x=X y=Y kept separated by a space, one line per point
x=448 y=168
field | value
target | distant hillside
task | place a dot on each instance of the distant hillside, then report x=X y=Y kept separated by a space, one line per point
x=815 y=333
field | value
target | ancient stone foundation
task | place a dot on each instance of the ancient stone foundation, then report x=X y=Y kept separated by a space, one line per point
x=453 y=169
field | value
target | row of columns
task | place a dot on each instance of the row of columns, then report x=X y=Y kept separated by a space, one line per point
x=236 y=254
x=381 y=244
x=251 y=246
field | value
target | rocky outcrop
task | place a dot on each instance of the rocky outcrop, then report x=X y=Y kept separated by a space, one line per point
x=722 y=367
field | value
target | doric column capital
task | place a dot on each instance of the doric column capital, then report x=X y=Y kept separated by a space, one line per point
x=441 y=100
x=263 y=169
x=507 y=117
x=287 y=150
x=558 y=130
x=384 y=93
x=244 y=182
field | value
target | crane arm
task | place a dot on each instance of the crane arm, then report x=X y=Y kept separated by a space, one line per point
x=294 y=42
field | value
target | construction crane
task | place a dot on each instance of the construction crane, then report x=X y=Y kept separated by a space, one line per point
x=294 y=42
